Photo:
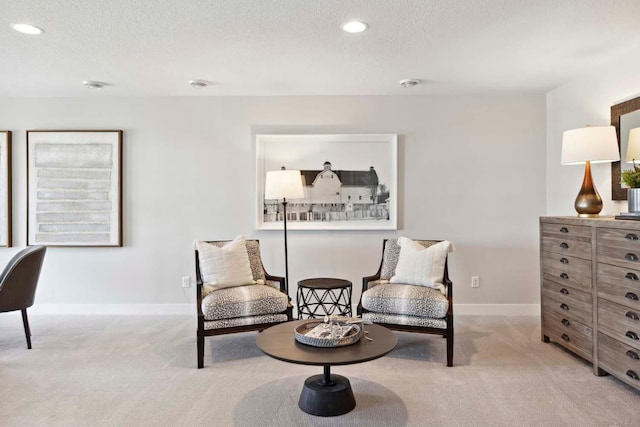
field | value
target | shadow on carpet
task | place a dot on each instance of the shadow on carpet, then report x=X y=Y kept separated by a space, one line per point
x=275 y=404
x=433 y=348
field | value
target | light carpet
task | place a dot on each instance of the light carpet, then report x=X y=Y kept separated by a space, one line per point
x=140 y=371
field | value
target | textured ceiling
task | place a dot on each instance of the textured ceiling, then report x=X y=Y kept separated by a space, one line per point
x=296 y=47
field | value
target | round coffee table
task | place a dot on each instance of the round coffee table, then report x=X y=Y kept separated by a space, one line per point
x=328 y=394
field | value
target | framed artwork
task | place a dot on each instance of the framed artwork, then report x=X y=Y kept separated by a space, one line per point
x=74 y=184
x=5 y=188
x=349 y=181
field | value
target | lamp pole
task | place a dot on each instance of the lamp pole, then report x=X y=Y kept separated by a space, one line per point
x=282 y=185
x=286 y=255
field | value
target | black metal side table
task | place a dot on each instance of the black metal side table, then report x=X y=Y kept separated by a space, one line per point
x=323 y=296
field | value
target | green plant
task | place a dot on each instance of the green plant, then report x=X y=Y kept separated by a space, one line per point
x=631 y=177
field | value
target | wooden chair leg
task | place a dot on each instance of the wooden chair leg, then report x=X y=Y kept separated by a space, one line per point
x=450 y=348
x=200 y=345
x=27 y=330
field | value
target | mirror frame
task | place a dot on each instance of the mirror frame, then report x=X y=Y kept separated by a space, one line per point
x=618 y=110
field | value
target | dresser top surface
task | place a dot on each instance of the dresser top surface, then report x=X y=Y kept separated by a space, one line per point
x=603 y=221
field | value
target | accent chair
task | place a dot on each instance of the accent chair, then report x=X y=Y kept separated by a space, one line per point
x=242 y=308
x=18 y=283
x=405 y=307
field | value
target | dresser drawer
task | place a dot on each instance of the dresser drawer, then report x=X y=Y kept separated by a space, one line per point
x=621 y=285
x=622 y=257
x=567 y=270
x=619 y=360
x=561 y=323
x=566 y=246
x=570 y=334
x=568 y=302
x=619 y=322
x=566 y=231
x=617 y=238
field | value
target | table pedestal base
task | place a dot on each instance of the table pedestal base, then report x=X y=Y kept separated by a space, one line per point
x=327 y=395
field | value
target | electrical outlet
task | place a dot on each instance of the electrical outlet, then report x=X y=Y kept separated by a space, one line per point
x=475 y=281
x=186 y=281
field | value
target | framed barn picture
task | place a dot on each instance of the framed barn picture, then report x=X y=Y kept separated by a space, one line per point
x=349 y=181
x=5 y=188
x=74 y=183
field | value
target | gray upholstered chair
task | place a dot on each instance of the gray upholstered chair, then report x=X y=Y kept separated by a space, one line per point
x=242 y=308
x=403 y=307
x=18 y=283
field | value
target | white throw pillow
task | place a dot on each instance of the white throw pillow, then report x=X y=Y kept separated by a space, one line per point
x=421 y=266
x=225 y=267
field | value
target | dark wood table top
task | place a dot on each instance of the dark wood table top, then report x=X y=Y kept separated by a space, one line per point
x=324 y=283
x=280 y=343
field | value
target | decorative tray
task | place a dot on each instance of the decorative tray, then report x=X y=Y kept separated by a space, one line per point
x=322 y=337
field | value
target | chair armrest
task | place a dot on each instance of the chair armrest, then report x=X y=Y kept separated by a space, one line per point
x=366 y=280
x=199 y=285
x=278 y=279
x=199 y=293
x=448 y=284
x=365 y=286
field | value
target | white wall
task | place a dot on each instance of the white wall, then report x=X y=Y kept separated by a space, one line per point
x=587 y=100
x=471 y=170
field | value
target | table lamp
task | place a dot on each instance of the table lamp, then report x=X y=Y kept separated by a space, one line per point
x=633 y=156
x=633 y=146
x=597 y=144
x=284 y=184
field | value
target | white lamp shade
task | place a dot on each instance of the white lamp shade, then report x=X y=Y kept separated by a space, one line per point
x=283 y=184
x=633 y=145
x=595 y=144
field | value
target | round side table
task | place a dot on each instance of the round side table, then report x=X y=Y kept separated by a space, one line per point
x=324 y=296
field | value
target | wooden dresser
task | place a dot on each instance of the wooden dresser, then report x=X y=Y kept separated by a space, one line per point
x=590 y=290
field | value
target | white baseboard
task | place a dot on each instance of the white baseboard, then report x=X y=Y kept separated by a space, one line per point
x=189 y=309
x=496 y=309
x=101 y=309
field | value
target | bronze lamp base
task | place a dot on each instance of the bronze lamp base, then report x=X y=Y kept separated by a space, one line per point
x=588 y=203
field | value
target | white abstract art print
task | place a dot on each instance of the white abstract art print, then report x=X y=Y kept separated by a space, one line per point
x=349 y=181
x=75 y=188
x=5 y=188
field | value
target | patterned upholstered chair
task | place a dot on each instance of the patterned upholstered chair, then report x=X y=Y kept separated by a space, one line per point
x=403 y=307
x=242 y=308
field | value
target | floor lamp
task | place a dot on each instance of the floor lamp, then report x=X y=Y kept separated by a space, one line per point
x=284 y=184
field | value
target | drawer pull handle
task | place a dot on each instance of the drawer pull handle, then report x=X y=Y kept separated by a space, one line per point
x=631 y=315
x=631 y=296
x=564 y=260
x=631 y=257
x=564 y=276
x=564 y=230
x=633 y=355
x=564 y=291
x=631 y=276
x=631 y=236
x=632 y=335
x=565 y=337
x=632 y=374
x=565 y=322
x=564 y=306
x=564 y=245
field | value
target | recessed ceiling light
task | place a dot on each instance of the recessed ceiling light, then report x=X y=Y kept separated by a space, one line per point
x=90 y=84
x=409 y=82
x=355 y=26
x=198 y=83
x=27 y=29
